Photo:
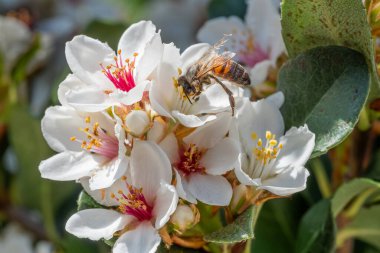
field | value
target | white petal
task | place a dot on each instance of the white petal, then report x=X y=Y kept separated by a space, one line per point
x=135 y=38
x=103 y=196
x=165 y=204
x=298 y=144
x=287 y=182
x=221 y=158
x=192 y=120
x=157 y=132
x=277 y=99
x=209 y=189
x=84 y=56
x=183 y=189
x=210 y=134
x=68 y=165
x=134 y=95
x=259 y=72
x=149 y=167
x=88 y=98
x=150 y=58
x=58 y=125
x=243 y=177
x=259 y=117
x=263 y=18
x=192 y=54
x=105 y=176
x=143 y=239
x=214 y=30
x=71 y=82
x=170 y=146
x=213 y=99
x=96 y=224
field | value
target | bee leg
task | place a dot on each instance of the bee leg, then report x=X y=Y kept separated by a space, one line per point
x=228 y=91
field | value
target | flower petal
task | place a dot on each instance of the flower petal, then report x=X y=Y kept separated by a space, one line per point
x=277 y=99
x=84 y=56
x=210 y=134
x=221 y=158
x=103 y=196
x=149 y=167
x=192 y=120
x=143 y=239
x=193 y=54
x=135 y=38
x=243 y=177
x=287 y=182
x=97 y=223
x=170 y=146
x=71 y=82
x=213 y=99
x=105 y=176
x=68 y=165
x=182 y=188
x=209 y=189
x=214 y=30
x=259 y=72
x=298 y=144
x=165 y=204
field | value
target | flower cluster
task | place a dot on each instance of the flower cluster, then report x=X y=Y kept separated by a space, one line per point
x=148 y=153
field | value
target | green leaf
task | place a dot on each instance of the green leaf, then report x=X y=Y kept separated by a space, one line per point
x=310 y=24
x=176 y=249
x=325 y=88
x=85 y=201
x=365 y=226
x=316 y=232
x=347 y=192
x=278 y=219
x=241 y=229
x=219 y=8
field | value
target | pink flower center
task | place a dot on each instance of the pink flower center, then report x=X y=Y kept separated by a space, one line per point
x=190 y=161
x=121 y=72
x=98 y=141
x=133 y=203
x=251 y=53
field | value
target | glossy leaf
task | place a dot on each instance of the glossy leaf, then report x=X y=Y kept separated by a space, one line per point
x=316 y=232
x=310 y=24
x=351 y=190
x=325 y=88
x=85 y=201
x=241 y=229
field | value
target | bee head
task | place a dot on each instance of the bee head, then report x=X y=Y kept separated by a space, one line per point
x=186 y=85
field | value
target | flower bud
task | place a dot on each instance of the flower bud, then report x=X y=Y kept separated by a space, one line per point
x=137 y=122
x=239 y=196
x=185 y=217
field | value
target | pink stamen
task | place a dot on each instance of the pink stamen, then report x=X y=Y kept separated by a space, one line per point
x=119 y=74
x=133 y=203
x=190 y=161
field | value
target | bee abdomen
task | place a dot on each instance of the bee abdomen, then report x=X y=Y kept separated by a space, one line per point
x=234 y=72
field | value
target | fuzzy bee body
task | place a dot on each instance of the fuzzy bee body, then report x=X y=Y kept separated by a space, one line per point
x=212 y=66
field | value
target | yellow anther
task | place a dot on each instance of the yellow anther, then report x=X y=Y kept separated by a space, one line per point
x=253 y=136
x=87 y=119
x=259 y=143
x=280 y=146
x=135 y=54
x=272 y=143
x=73 y=138
x=119 y=51
x=179 y=71
x=123 y=178
x=268 y=135
x=113 y=195
x=120 y=191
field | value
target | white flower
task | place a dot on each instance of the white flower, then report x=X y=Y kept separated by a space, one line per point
x=258 y=42
x=201 y=159
x=137 y=121
x=89 y=145
x=168 y=99
x=145 y=202
x=16 y=41
x=101 y=79
x=269 y=159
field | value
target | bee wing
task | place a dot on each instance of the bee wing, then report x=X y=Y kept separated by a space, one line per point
x=213 y=62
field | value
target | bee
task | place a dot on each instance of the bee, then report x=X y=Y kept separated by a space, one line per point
x=212 y=66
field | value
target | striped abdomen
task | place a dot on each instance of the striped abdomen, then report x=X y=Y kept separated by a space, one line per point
x=234 y=72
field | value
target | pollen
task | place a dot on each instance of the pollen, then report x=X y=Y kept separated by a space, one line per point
x=190 y=160
x=266 y=154
x=253 y=136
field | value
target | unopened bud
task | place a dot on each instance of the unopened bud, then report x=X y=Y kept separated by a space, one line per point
x=239 y=196
x=157 y=131
x=185 y=217
x=137 y=122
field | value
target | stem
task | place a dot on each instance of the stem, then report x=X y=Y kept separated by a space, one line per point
x=321 y=177
x=357 y=204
